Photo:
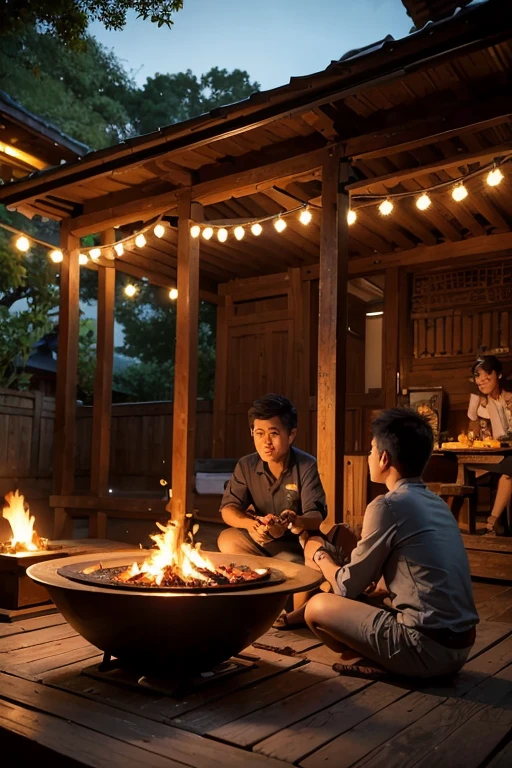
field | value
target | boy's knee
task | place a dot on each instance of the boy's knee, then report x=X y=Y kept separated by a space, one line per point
x=317 y=608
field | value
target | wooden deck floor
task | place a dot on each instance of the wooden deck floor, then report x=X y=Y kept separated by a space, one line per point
x=288 y=707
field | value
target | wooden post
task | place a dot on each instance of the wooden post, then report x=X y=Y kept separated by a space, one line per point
x=332 y=333
x=185 y=371
x=391 y=322
x=67 y=361
x=221 y=381
x=102 y=407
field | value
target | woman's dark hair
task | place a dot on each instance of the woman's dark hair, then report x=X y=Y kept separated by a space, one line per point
x=489 y=363
x=274 y=405
x=406 y=437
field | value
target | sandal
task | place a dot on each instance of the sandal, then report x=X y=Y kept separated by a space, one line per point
x=282 y=623
x=359 y=669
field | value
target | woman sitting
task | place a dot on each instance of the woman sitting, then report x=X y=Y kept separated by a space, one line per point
x=492 y=410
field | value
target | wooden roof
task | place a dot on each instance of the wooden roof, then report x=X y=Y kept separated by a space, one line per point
x=28 y=143
x=409 y=113
x=422 y=11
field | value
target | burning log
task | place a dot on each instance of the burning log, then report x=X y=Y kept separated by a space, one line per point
x=24 y=537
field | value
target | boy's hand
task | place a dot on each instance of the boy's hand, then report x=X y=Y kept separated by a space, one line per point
x=258 y=532
x=294 y=521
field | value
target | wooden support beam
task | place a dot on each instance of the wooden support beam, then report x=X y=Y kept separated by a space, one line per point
x=463 y=158
x=332 y=334
x=185 y=370
x=102 y=407
x=207 y=192
x=425 y=254
x=221 y=381
x=67 y=361
x=391 y=321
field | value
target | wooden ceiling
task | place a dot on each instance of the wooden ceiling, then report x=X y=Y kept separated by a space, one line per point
x=430 y=108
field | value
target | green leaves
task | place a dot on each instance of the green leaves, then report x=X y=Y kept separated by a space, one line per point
x=67 y=20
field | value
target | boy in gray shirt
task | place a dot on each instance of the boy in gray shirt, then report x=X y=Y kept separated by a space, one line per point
x=411 y=541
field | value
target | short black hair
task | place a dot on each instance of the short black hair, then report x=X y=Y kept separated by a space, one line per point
x=489 y=363
x=273 y=405
x=406 y=437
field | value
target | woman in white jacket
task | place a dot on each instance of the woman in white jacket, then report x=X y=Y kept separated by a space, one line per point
x=492 y=410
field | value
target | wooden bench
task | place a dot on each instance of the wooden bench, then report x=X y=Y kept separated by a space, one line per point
x=462 y=501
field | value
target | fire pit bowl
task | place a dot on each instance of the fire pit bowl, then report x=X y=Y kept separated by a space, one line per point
x=172 y=631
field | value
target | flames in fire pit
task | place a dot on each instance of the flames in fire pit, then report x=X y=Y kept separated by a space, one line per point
x=174 y=564
x=24 y=538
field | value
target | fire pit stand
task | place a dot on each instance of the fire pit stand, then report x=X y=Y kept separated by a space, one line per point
x=172 y=632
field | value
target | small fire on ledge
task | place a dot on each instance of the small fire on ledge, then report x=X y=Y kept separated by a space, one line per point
x=24 y=538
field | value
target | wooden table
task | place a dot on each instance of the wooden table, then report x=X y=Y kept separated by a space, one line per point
x=466 y=460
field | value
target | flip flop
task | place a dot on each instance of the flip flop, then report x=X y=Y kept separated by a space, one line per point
x=360 y=670
x=282 y=623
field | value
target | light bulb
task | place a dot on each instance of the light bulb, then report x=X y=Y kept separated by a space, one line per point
x=159 y=230
x=130 y=290
x=280 y=225
x=119 y=249
x=351 y=217
x=459 y=193
x=423 y=202
x=239 y=233
x=56 y=256
x=23 y=244
x=173 y=294
x=195 y=231
x=494 y=177
x=256 y=229
x=222 y=235
x=208 y=233
x=305 y=216
x=82 y=259
x=140 y=240
x=95 y=253
x=386 y=207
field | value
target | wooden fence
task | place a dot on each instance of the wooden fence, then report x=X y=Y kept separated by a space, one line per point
x=140 y=442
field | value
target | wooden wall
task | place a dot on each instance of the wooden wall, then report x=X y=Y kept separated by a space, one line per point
x=267 y=342
x=456 y=313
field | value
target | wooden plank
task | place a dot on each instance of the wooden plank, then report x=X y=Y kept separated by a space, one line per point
x=332 y=334
x=503 y=759
x=247 y=701
x=61 y=738
x=185 y=374
x=359 y=741
x=29 y=639
x=36 y=433
x=296 y=741
x=257 y=726
x=164 y=709
x=30 y=625
x=408 y=747
x=102 y=406
x=299 y=640
x=67 y=361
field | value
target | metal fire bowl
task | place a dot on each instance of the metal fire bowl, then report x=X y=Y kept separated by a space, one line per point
x=171 y=631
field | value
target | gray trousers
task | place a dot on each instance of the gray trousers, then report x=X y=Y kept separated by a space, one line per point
x=376 y=634
x=236 y=541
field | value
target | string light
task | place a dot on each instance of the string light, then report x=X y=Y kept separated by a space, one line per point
x=459 y=193
x=256 y=229
x=222 y=235
x=386 y=207
x=56 y=256
x=140 y=240
x=239 y=233
x=23 y=244
x=351 y=217
x=305 y=216
x=280 y=225
x=195 y=231
x=130 y=290
x=159 y=230
x=95 y=253
x=119 y=249
x=82 y=259
x=173 y=294
x=494 y=177
x=208 y=233
x=423 y=202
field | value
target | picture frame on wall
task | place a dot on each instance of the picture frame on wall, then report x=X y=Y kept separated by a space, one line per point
x=428 y=402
